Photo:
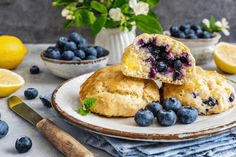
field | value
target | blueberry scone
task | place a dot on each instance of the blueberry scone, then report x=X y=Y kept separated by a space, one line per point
x=158 y=57
x=208 y=91
x=118 y=95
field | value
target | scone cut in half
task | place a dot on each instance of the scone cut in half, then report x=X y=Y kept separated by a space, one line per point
x=208 y=91
x=118 y=95
x=158 y=57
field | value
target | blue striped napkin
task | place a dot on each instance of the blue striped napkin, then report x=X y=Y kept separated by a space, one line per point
x=222 y=145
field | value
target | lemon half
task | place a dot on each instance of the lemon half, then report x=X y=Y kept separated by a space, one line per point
x=9 y=82
x=225 y=57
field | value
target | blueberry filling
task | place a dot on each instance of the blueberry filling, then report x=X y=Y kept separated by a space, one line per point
x=210 y=101
x=231 y=97
x=162 y=61
x=194 y=95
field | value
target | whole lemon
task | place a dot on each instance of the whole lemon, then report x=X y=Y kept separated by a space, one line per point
x=12 y=51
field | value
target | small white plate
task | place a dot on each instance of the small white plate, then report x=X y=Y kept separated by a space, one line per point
x=66 y=101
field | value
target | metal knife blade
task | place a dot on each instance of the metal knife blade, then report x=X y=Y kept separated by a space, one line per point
x=23 y=110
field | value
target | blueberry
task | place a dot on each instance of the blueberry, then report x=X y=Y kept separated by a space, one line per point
x=166 y=117
x=46 y=100
x=184 y=27
x=231 y=97
x=67 y=55
x=206 y=35
x=75 y=37
x=61 y=42
x=100 y=51
x=187 y=114
x=70 y=46
x=174 y=29
x=23 y=144
x=180 y=35
x=191 y=36
x=210 y=101
x=91 y=57
x=172 y=104
x=3 y=129
x=50 y=48
x=196 y=27
x=177 y=64
x=91 y=52
x=34 y=69
x=83 y=43
x=177 y=75
x=83 y=48
x=76 y=59
x=144 y=117
x=54 y=54
x=31 y=93
x=161 y=66
x=80 y=54
x=189 y=31
x=154 y=107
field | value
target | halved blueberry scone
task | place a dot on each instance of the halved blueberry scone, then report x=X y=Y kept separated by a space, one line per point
x=208 y=91
x=158 y=57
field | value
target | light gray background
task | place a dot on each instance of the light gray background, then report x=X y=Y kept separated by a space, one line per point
x=36 y=21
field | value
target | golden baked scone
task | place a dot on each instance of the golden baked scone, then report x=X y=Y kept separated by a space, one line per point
x=118 y=95
x=208 y=91
x=158 y=57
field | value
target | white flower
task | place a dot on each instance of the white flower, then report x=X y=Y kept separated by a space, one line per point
x=218 y=24
x=116 y=14
x=64 y=12
x=225 y=26
x=70 y=17
x=139 y=8
x=80 y=1
x=206 y=22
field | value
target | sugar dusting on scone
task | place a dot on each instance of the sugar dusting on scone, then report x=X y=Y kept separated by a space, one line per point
x=118 y=95
x=208 y=91
x=158 y=57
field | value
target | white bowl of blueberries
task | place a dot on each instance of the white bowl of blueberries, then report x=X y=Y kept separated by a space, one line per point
x=201 y=42
x=73 y=56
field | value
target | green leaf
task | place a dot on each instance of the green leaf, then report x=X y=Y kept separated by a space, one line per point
x=58 y=3
x=84 y=17
x=212 y=22
x=112 y=24
x=152 y=3
x=89 y=102
x=98 y=7
x=98 y=24
x=82 y=111
x=148 y=24
x=119 y=3
x=68 y=23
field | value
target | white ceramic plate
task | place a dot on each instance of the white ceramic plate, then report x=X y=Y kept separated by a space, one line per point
x=66 y=101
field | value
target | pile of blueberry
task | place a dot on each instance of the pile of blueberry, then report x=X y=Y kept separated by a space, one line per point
x=188 y=31
x=167 y=114
x=74 y=48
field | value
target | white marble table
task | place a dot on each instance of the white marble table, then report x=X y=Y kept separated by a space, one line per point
x=44 y=82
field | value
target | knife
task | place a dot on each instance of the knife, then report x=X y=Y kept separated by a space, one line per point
x=64 y=142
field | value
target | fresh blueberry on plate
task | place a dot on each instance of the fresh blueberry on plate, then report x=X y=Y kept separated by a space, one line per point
x=83 y=43
x=61 y=42
x=83 y=48
x=187 y=114
x=91 y=57
x=67 y=55
x=46 y=100
x=70 y=46
x=191 y=36
x=80 y=54
x=91 y=51
x=75 y=37
x=189 y=31
x=3 y=129
x=53 y=54
x=34 y=69
x=100 y=51
x=76 y=59
x=206 y=35
x=31 y=93
x=144 y=117
x=172 y=104
x=154 y=107
x=179 y=35
x=195 y=27
x=166 y=117
x=174 y=29
x=184 y=27
x=23 y=144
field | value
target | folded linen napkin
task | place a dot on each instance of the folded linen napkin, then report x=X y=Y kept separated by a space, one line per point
x=222 y=145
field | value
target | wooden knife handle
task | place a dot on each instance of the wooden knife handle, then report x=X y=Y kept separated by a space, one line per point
x=64 y=142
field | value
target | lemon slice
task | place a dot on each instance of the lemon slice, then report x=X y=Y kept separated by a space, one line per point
x=9 y=82
x=225 y=57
